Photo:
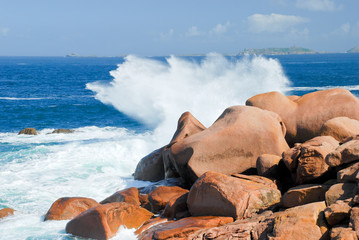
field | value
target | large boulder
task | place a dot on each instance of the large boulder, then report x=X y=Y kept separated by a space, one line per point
x=301 y=223
x=28 y=131
x=349 y=174
x=69 y=207
x=305 y=116
x=231 y=145
x=129 y=195
x=216 y=194
x=182 y=229
x=307 y=161
x=340 y=191
x=340 y=128
x=6 y=212
x=337 y=212
x=345 y=153
x=159 y=197
x=156 y=165
x=103 y=221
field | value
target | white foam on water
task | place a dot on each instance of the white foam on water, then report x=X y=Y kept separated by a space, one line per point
x=95 y=162
x=347 y=87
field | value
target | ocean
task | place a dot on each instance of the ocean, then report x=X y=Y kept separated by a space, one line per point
x=122 y=109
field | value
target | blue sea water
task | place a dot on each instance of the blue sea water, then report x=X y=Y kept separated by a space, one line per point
x=121 y=109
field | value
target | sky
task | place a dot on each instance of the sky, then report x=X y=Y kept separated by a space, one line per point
x=165 y=27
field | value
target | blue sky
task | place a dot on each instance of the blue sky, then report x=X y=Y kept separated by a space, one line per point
x=164 y=27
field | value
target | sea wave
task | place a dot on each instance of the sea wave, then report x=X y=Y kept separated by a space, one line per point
x=318 y=88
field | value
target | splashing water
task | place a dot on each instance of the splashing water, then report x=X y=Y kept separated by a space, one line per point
x=157 y=93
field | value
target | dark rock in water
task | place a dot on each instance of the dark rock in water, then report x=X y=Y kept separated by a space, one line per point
x=103 y=221
x=6 y=212
x=62 y=130
x=150 y=168
x=69 y=207
x=28 y=131
x=165 y=182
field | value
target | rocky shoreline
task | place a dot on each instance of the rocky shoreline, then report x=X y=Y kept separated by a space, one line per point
x=281 y=167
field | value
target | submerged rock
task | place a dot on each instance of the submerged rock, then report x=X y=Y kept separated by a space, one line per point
x=62 y=130
x=28 y=131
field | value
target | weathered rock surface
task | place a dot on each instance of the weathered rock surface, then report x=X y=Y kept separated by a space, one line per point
x=337 y=212
x=354 y=220
x=349 y=174
x=340 y=191
x=63 y=130
x=103 y=221
x=231 y=145
x=216 y=194
x=342 y=233
x=28 y=131
x=69 y=207
x=304 y=194
x=307 y=161
x=305 y=116
x=183 y=228
x=267 y=165
x=6 y=212
x=340 y=128
x=345 y=153
x=300 y=223
x=150 y=223
x=159 y=197
x=129 y=195
x=176 y=208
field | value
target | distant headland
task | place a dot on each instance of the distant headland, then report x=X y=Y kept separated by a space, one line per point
x=278 y=51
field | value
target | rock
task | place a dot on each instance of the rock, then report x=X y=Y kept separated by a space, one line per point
x=103 y=221
x=340 y=128
x=144 y=201
x=337 y=212
x=342 y=233
x=156 y=165
x=62 y=130
x=340 y=191
x=150 y=223
x=183 y=228
x=169 y=182
x=267 y=165
x=303 y=194
x=159 y=197
x=150 y=168
x=129 y=195
x=28 y=131
x=69 y=207
x=354 y=219
x=6 y=212
x=257 y=179
x=305 y=116
x=345 y=153
x=231 y=145
x=302 y=222
x=307 y=161
x=355 y=137
x=216 y=194
x=253 y=228
x=349 y=174
x=176 y=208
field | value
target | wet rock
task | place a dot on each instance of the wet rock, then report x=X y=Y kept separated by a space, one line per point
x=69 y=207
x=6 y=212
x=182 y=229
x=305 y=116
x=216 y=194
x=304 y=194
x=129 y=195
x=28 y=131
x=231 y=145
x=307 y=161
x=340 y=191
x=63 y=130
x=340 y=128
x=159 y=197
x=103 y=221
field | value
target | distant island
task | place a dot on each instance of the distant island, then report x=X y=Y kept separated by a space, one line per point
x=278 y=51
x=354 y=50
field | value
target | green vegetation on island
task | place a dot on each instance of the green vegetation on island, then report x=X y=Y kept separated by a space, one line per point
x=354 y=50
x=278 y=51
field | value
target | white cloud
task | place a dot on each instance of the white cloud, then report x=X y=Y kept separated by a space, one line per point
x=193 y=31
x=345 y=28
x=318 y=5
x=168 y=35
x=273 y=23
x=220 y=28
x=4 y=31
